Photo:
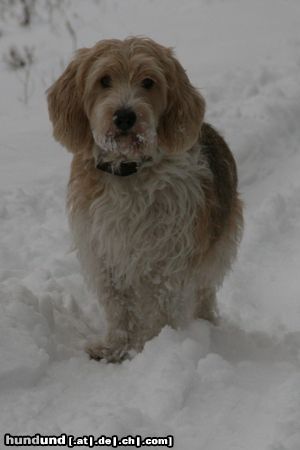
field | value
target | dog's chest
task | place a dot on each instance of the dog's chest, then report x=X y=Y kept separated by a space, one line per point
x=147 y=229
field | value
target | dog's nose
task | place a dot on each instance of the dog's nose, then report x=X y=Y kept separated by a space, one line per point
x=124 y=119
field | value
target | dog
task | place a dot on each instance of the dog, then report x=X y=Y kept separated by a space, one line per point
x=152 y=197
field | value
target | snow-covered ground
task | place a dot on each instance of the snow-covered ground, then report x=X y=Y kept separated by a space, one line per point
x=232 y=387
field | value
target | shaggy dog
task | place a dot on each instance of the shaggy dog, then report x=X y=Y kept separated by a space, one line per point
x=152 y=198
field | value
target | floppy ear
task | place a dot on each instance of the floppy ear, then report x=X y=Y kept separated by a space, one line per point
x=65 y=105
x=181 y=122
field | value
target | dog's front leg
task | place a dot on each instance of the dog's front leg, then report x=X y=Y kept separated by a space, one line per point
x=121 y=322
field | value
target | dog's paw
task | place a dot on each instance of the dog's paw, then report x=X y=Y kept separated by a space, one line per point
x=114 y=353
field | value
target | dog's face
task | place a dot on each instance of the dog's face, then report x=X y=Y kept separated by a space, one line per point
x=126 y=99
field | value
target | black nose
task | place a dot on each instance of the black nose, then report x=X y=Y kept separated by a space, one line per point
x=124 y=119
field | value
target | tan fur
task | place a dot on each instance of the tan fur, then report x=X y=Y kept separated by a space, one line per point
x=156 y=245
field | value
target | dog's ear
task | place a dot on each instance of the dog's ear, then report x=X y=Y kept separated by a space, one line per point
x=65 y=105
x=181 y=122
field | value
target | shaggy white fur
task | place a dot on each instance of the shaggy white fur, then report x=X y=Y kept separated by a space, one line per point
x=139 y=237
x=144 y=225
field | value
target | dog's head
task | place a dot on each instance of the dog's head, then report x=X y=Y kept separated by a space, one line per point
x=126 y=99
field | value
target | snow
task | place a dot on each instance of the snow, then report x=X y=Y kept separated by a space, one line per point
x=235 y=386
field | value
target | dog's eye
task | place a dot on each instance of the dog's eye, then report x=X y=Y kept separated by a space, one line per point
x=147 y=83
x=105 y=81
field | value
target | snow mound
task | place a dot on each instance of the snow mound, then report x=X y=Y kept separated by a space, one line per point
x=235 y=386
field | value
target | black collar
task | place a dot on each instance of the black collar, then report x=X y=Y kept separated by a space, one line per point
x=123 y=169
